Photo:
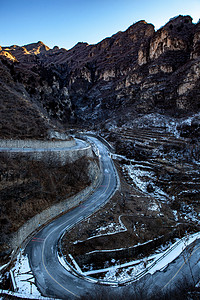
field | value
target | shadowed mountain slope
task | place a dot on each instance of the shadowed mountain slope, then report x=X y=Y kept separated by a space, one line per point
x=138 y=71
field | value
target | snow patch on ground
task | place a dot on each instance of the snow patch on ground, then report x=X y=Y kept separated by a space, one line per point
x=23 y=296
x=198 y=284
x=172 y=253
x=63 y=262
x=3 y=267
x=123 y=274
x=127 y=271
x=142 y=178
x=112 y=228
x=23 y=277
x=154 y=206
x=118 y=249
x=109 y=229
x=175 y=213
x=158 y=261
x=188 y=213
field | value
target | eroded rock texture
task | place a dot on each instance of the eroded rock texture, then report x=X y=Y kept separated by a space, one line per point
x=137 y=71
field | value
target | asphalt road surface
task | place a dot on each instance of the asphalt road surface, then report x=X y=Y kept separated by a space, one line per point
x=53 y=280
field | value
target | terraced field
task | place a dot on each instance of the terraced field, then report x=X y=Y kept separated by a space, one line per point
x=158 y=203
x=164 y=166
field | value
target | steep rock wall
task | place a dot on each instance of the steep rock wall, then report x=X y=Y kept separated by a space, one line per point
x=136 y=71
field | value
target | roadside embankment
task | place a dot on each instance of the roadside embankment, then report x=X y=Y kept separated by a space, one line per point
x=51 y=152
x=38 y=184
x=50 y=213
x=36 y=144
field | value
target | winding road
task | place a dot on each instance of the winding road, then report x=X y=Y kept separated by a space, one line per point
x=53 y=280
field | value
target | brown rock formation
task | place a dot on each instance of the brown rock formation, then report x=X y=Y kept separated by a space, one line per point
x=135 y=71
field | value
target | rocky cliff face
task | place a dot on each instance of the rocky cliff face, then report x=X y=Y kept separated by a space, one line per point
x=136 y=71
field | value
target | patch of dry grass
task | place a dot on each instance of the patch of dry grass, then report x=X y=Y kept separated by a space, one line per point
x=28 y=187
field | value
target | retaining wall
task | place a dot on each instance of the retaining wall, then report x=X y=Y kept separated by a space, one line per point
x=45 y=216
x=36 y=144
x=48 y=152
x=60 y=157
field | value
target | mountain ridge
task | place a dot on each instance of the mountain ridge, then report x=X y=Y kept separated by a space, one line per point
x=137 y=71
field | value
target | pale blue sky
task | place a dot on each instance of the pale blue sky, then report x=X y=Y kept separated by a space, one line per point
x=66 y=22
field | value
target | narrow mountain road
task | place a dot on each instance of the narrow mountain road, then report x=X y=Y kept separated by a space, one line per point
x=52 y=278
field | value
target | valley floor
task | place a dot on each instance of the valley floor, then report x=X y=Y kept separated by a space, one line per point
x=157 y=205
